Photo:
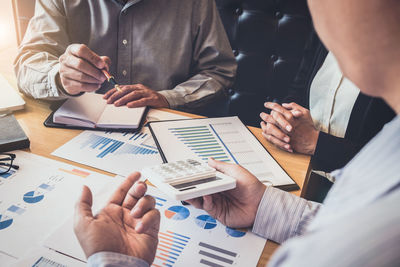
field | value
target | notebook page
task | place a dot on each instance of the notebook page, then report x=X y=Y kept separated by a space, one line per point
x=121 y=117
x=84 y=110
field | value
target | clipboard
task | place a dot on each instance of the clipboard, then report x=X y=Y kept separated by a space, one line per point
x=157 y=129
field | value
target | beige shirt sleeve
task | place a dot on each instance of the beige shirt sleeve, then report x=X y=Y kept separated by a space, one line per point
x=37 y=65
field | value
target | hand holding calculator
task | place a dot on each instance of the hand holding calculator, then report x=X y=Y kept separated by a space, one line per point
x=187 y=179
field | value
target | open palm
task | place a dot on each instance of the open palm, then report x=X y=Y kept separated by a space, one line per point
x=128 y=224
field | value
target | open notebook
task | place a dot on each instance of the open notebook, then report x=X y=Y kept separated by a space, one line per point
x=92 y=111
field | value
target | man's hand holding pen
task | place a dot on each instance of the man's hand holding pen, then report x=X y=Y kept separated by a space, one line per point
x=80 y=69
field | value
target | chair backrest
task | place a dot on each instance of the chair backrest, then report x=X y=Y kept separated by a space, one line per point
x=268 y=38
x=23 y=12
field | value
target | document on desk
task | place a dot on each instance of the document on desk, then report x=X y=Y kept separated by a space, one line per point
x=119 y=153
x=39 y=197
x=44 y=257
x=226 y=139
x=187 y=236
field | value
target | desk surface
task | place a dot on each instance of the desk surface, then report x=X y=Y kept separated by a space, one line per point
x=46 y=140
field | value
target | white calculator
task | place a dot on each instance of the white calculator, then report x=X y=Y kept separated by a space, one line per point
x=187 y=179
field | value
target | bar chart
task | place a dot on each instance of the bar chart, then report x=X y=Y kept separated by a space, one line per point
x=170 y=247
x=107 y=146
x=204 y=141
x=215 y=256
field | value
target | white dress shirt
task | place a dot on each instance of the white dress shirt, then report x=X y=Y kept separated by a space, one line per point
x=332 y=98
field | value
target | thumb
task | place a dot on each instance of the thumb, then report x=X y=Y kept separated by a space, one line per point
x=225 y=168
x=83 y=207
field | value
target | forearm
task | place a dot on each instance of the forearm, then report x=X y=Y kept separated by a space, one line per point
x=36 y=65
x=282 y=215
x=112 y=259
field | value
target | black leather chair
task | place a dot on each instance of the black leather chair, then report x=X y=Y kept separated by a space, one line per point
x=269 y=39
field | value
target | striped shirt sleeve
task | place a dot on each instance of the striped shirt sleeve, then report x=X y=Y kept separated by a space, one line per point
x=112 y=259
x=282 y=215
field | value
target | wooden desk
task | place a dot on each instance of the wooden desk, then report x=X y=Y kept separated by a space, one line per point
x=46 y=140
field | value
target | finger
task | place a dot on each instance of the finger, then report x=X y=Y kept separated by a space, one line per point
x=134 y=194
x=149 y=221
x=119 y=195
x=144 y=205
x=278 y=108
x=118 y=94
x=109 y=93
x=79 y=76
x=107 y=60
x=196 y=202
x=74 y=87
x=143 y=102
x=278 y=142
x=281 y=121
x=131 y=96
x=226 y=168
x=293 y=105
x=271 y=129
x=81 y=65
x=208 y=204
x=83 y=207
x=267 y=118
x=82 y=51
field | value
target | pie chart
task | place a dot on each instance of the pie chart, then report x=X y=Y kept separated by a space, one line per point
x=31 y=197
x=5 y=223
x=234 y=233
x=206 y=221
x=177 y=213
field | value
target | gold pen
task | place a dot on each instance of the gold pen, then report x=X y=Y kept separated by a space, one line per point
x=111 y=80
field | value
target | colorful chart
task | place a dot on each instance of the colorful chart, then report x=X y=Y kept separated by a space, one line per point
x=203 y=141
x=5 y=222
x=33 y=197
x=44 y=262
x=159 y=201
x=169 y=248
x=107 y=146
x=177 y=213
x=234 y=233
x=206 y=222
x=7 y=174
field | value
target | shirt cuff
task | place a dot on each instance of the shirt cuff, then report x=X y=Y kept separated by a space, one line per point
x=113 y=259
x=278 y=215
x=54 y=85
x=174 y=98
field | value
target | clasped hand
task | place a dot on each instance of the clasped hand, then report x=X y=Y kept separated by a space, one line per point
x=290 y=127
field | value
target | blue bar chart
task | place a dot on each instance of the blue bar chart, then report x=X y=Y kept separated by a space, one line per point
x=204 y=142
x=107 y=146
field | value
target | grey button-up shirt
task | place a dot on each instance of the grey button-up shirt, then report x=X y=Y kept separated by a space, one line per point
x=176 y=47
